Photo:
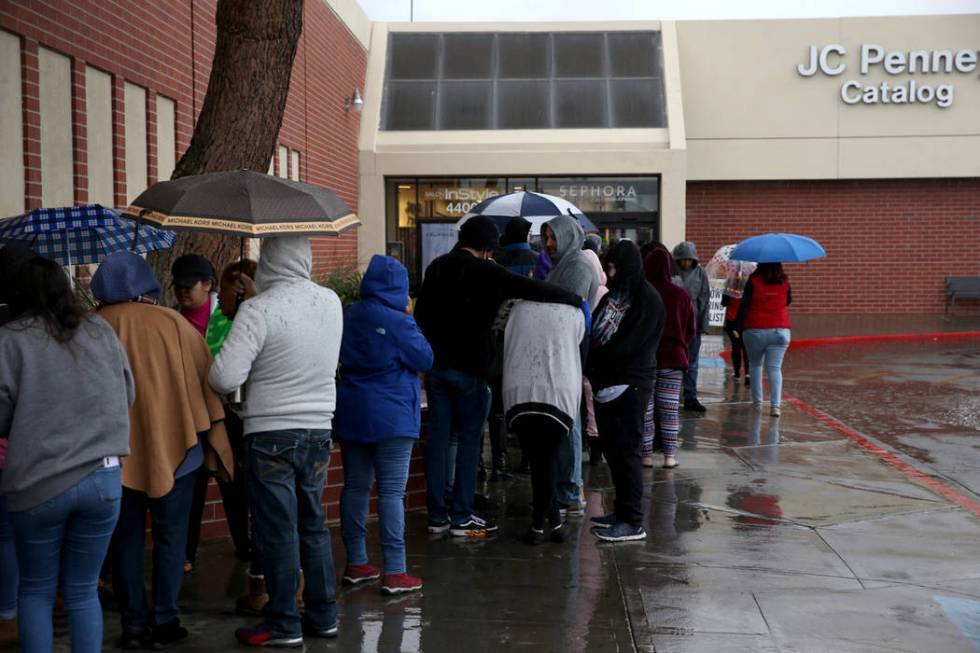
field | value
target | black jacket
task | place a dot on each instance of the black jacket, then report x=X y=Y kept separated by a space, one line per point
x=458 y=301
x=630 y=355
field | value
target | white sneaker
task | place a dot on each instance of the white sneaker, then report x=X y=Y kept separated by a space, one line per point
x=774 y=411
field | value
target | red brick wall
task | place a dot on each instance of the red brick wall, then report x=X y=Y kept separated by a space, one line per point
x=889 y=243
x=166 y=46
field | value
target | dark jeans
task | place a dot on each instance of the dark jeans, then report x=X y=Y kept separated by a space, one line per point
x=738 y=348
x=233 y=495
x=497 y=428
x=540 y=436
x=458 y=404
x=621 y=433
x=691 y=375
x=169 y=516
x=62 y=542
x=286 y=474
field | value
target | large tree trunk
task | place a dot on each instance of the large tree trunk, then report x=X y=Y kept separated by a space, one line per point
x=242 y=112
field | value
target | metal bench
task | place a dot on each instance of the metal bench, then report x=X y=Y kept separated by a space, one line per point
x=961 y=288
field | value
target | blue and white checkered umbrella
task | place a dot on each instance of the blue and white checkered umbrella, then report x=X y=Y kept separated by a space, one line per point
x=536 y=208
x=78 y=235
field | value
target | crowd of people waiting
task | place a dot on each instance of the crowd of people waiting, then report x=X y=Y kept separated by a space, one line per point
x=106 y=416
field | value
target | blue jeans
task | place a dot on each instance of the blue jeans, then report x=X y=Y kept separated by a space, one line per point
x=691 y=375
x=458 y=406
x=286 y=473
x=769 y=346
x=387 y=462
x=63 y=542
x=8 y=564
x=569 y=485
x=169 y=518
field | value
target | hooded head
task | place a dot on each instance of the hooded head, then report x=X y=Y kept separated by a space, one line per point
x=515 y=232
x=593 y=242
x=386 y=280
x=686 y=250
x=625 y=257
x=284 y=259
x=568 y=236
x=123 y=277
x=480 y=234
x=657 y=266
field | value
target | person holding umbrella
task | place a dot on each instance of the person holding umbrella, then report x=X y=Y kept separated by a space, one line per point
x=763 y=322
x=61 y=477
x=284 y=347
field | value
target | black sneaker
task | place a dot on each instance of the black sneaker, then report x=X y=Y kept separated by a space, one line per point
x=621 y=532
x=500 y=475
x=748 y=381
x=134 y=641
x=605 y=521
x=533 y=537
x=167 y=635
x=263 y=635
x=323 y=633
x=695 y=406
x=559 y=533
x=473 y=527
x=438 y=526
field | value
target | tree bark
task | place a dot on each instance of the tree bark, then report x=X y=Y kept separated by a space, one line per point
x=239 y=122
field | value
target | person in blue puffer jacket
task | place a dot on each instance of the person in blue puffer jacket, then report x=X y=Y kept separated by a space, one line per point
x=377 y=419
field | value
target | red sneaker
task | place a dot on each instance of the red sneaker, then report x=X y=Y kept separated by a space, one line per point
x=357 y=574
x=400 y=584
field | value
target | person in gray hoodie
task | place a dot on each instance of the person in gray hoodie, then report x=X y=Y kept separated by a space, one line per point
x=563 y=239
x=692 y=278
x=284 y=346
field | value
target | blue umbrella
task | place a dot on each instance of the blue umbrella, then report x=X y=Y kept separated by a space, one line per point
x=78 y=235
x=536 y=208
x=778 y=248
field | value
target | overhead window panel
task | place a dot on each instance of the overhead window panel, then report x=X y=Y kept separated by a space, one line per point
x=634 y=54
x=523 y=104
x=467 y=56
x=580 y=103
x=524 y=56
x=637 y=103
x=414 y=56
x=465 y=105
x=579 y=54
x=410 y=105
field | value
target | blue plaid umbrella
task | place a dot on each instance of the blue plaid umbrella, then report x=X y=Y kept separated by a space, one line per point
x=78 y=235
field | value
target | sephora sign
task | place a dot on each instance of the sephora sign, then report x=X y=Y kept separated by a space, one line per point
x=831 y=60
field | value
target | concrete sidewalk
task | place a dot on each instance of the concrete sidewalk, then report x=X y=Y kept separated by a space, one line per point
x=774 y=534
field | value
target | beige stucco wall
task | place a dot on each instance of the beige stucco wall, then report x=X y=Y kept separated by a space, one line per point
x=750 y=115
x=98 y=110
x=353 y=17
x=166 y=137
x=135 y=130
x=11 y=128
x=517 y=152
x=57 y=175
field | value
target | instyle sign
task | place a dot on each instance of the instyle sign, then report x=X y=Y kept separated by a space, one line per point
x=831 y=60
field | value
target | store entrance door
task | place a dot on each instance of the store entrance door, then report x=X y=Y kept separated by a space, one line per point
x=640 y=229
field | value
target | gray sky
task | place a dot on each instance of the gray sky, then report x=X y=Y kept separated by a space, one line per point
x=552 y=10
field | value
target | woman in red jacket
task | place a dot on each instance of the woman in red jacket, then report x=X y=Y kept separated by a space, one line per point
x=679 y=328
x=763 y=322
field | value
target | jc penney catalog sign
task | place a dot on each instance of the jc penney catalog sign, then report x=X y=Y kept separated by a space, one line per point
x=914 y=76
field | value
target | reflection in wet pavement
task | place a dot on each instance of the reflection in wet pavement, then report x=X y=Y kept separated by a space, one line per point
x=773 y=534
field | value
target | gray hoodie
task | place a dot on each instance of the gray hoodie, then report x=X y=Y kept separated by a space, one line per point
x=542 y=362
x=284 y=344
x=572 y=271
x=695 y=282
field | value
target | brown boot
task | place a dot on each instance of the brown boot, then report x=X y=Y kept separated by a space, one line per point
x=8 y=631
x=256 y=598
x=299 y=592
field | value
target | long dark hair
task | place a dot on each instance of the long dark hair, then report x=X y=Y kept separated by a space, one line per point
x=629 y=279
x=34 y=286
x=771 y=273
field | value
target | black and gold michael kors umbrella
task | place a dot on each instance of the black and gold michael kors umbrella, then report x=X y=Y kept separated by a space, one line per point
x=242 y=203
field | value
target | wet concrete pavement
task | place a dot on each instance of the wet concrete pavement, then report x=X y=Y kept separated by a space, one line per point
x=774 y=534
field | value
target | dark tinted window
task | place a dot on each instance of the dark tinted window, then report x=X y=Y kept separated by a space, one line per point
x=524 y=56
x=413 y=56
x=523 y=105
x=467 y=56
x=578 y=55
x=464 y=105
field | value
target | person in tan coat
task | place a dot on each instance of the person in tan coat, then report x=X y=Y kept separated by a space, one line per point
x=176 y=426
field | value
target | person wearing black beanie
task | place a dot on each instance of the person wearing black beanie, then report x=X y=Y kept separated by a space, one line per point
x=460 y=296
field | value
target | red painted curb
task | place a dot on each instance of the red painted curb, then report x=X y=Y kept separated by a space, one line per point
x=935 y=485
x=938 y=336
